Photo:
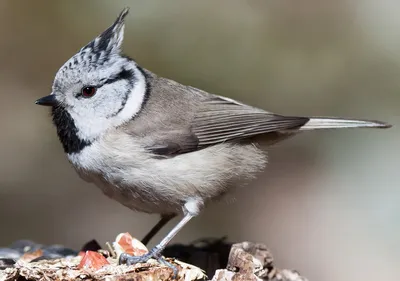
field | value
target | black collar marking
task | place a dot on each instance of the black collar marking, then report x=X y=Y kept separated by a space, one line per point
x=67 y=131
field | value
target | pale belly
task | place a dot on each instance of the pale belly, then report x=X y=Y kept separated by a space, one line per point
x=162 y=186
x=136 y=198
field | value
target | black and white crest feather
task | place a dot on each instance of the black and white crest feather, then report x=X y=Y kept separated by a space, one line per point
x=110 y=40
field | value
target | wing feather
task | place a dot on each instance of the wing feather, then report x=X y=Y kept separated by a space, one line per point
x=219 y=120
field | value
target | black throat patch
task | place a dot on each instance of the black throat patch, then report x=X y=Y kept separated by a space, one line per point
x=67 y=131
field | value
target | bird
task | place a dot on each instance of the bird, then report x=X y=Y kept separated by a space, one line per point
x=155 y=145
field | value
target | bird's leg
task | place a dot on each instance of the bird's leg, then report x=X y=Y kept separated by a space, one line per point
x=156 y=251
x=190 y=209
x=160 y=224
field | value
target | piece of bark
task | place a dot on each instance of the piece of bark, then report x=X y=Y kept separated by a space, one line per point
x=209 y=254
x=68 y=270
x=253 y=262
x=247 y=262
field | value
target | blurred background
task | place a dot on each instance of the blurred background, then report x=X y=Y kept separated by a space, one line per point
x=328 y=203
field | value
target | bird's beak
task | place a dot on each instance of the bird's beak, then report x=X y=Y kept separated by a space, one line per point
x=49 y=100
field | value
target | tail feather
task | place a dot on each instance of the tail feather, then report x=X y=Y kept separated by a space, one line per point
x=316 y=123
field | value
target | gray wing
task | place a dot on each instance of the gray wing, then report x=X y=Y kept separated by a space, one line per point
x=217 y=120
x=220 y=120
x=177 y=119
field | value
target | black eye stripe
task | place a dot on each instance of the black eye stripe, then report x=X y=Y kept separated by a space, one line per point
x=123 y=75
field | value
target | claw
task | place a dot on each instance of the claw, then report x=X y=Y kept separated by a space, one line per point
x=170 y=265
x=130 y=260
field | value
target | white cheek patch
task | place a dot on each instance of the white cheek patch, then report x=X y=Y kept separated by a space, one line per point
x=90 y=127
x=134 y=103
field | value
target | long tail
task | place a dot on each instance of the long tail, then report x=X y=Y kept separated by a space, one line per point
x=316 y=123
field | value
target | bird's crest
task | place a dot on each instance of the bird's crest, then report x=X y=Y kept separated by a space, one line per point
x=110 y=41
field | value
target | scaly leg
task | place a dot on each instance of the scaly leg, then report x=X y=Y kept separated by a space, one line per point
x=190 y=209
x=160 y=224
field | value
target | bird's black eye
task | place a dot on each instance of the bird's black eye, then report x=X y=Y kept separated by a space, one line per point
x=88 y=91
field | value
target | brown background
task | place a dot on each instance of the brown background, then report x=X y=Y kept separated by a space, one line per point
x=327 y=205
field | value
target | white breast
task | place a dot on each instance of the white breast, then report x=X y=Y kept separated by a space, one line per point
x=124 y=171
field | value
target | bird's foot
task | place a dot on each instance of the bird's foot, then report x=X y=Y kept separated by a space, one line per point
x=130 y=260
